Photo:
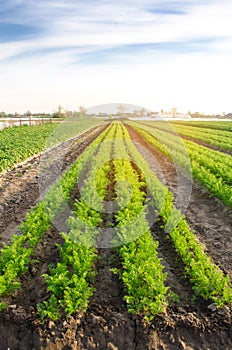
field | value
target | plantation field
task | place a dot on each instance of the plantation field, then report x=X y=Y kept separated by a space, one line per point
x=117 y=235
x=19 y=143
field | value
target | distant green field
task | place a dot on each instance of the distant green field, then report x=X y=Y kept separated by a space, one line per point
x=19 y=143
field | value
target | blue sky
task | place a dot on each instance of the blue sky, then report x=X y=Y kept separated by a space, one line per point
x=154 y=54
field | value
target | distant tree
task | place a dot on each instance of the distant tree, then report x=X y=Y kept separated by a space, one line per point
x=82 y=111
x=3 y=114
x=59 y=113
x=174 y=110
x=68 y=114
x=28 y=114
x=196 y=115
x=135 y=112
x=121 y=108
x=143 y=112
x=140 y=112
x=75 y=114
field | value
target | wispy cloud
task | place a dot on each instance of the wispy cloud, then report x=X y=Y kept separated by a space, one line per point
x=170 y=7
x=16 y=32
x=107 y=23
x=57 y=36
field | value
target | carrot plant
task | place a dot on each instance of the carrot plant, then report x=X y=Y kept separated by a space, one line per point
x=211 y=168
x=212 y=125
x=216 y=137
x=19 y=143
x=16 y=256
x=142 y=272
x=207 y=280
x=70 y=281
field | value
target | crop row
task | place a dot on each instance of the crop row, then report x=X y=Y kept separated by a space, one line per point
x=142 y=271
x=219 y=138
x=20 y=143
x=218 y=125
x=70 y=281
x=16 y=256
x=207 y=280
x=211 y=168
x=148 y=298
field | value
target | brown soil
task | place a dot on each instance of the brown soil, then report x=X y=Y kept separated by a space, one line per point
x=107 y=324
x=20 y=187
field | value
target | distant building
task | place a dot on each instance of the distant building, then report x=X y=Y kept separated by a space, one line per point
x=182 y=115
x=155 y=115
x=103 y=115
x=177 y=116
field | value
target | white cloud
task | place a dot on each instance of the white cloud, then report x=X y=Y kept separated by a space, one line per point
x=195 y=77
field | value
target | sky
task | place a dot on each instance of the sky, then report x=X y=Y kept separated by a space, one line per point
x=153 y=54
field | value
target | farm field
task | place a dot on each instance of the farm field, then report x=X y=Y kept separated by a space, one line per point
x=118 y=236
x=206 y=135
x=20 y=143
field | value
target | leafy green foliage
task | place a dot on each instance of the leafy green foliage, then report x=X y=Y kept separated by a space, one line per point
x=208 y=281
x=142 y=272
x=70 y=281
x=211 y=168
x=17 y=255
x=19 y=143
x=216 y=137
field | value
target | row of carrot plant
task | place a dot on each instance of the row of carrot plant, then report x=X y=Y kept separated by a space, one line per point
x=141 y=267
x=18 y=254
x=219 y=138
x=211 y=168
x=70 y=281
x=208 y=281
x=20 y=143
x=142 y=272
x=218 y=125
x=212 y=136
